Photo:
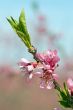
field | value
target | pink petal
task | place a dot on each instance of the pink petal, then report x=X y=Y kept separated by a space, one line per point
x=55 y=76
x=55 y=52
x=48 y=52
x=30 y=68
x=38 y=73
x=56 y=109
x=23 y=62
x=46 y=66
x=42 y=84
x=70 y=83
x=30 y=76
x=56 y=59
x=49 y=85
x=40 y=56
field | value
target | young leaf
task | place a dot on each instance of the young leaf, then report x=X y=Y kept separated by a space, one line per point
x=23 y=37
x=22 y=24
x=21 y=29
x=66 y=89
x=14 y=26
x=65 y=104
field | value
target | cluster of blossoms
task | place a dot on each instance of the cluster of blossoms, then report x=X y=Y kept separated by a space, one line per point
x=44 y=68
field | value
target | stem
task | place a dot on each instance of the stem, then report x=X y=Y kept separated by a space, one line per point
x=57 y=86
x=33 y=51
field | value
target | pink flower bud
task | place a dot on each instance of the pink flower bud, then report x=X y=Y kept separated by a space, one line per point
x=70 y=85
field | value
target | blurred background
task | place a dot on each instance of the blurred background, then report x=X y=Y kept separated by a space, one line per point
x=50 y=24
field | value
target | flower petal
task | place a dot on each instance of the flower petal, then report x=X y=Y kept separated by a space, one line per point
x=30 y=76
x=55 y=76
x=70 y=83
x=30 y=68
x=49 y=85
x=23 y=62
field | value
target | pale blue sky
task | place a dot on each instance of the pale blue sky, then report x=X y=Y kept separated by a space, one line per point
x=59 y=13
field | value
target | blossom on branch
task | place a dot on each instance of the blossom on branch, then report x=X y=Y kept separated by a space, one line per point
x=49 y=61
x=44 y=69
x=27 y=67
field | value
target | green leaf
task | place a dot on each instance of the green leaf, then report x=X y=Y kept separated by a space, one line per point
x=12 y=23
x=66 y=89
x=22 y=24
x=64 y=104
x=21 y=29
x=66 y=100
x=63 y=95
x=23 y=37
x=14 y=20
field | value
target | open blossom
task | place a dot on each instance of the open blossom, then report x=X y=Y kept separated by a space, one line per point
x=27 y=67
x=49 y=58
x=49 y=61
x=70 y=85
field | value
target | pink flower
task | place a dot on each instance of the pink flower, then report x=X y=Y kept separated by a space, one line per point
x=70 y=85
x=49 y=61
x=40 y=56
x=49 y=58
x=44 y=69
x=27 y=67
